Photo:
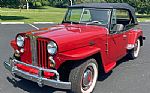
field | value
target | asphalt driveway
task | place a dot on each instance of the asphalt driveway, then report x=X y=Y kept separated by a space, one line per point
x=130 y=76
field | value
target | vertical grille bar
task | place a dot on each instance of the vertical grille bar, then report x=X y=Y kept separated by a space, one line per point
x=33 y=44
x=45 y=54
x=42 y=53
x=39 y=54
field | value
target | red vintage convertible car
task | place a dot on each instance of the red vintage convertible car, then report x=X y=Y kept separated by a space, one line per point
x=91 y=38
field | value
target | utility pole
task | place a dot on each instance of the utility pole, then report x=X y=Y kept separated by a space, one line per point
x=27 y=4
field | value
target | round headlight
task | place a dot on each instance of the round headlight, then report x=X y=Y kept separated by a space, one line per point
x=52 y=48
x=20 y=41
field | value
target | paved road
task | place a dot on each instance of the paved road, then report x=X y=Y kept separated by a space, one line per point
x=130 y=76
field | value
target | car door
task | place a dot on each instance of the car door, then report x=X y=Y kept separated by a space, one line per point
x=117 y=40
x=117 y=45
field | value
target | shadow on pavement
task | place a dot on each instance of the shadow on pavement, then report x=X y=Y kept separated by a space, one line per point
x=33 y=87
x=3 y=18
x=102 y=76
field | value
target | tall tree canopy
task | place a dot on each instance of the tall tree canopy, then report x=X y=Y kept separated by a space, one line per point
x=142 y=6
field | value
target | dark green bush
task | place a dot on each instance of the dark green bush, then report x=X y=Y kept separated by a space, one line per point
x=37 y=4
x=45 y=3
x=61 y=4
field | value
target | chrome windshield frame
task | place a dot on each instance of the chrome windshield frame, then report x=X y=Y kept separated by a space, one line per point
x=81 y=16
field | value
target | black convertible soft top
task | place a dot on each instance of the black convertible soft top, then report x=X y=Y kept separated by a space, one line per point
x=108 y=6
x=104 y=5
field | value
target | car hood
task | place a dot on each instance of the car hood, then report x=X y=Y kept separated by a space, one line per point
x=69 y=36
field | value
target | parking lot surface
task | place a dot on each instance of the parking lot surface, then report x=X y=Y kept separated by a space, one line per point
x=129 y=76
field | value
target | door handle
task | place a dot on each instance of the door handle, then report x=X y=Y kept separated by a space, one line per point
x=124 y=36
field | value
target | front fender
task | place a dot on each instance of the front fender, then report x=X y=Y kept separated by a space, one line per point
x=80 y=53
x=84 y=52
x=13 y=44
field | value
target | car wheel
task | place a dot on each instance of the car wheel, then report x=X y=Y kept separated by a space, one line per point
x=84 y=76
x=135 y=51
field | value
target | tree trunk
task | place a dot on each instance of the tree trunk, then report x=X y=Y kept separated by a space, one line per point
x=71 y=2
x=27 y=4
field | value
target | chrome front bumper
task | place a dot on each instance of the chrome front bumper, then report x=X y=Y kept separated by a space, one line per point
x=36 y=78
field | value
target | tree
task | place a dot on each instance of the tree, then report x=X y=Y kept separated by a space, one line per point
x=141 y=6
x=9 y=3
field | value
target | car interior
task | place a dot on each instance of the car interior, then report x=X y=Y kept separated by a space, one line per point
x=120 y=20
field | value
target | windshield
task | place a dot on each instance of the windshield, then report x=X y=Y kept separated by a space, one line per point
x=88 y=16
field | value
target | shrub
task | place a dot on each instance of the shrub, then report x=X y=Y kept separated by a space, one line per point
x=60 y=4
x=45 y=3
x=37 y=4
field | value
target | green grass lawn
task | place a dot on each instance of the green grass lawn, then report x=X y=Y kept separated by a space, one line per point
x=45 y=14
x=143 y=18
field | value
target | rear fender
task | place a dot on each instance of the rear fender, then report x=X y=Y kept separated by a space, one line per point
x=132 y=37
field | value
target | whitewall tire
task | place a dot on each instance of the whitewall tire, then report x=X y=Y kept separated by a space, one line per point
x=83 y=77
x=134 y=53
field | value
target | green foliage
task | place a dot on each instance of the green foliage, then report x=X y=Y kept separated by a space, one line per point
x=45 y=3
x=60 y=3
x=9 y=3
x=141 y=6
x=37 y=4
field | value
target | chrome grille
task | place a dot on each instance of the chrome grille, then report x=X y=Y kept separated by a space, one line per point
x=42 y=53
x=39 y=51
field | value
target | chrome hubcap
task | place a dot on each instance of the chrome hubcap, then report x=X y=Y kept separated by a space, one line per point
x=87 y=78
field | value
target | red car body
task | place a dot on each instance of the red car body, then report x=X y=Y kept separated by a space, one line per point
x=75 y=42
x=78 y=42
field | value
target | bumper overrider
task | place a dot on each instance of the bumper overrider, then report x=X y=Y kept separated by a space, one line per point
x=10 y=65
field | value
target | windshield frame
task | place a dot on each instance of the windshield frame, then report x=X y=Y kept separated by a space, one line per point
x=81 y=16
